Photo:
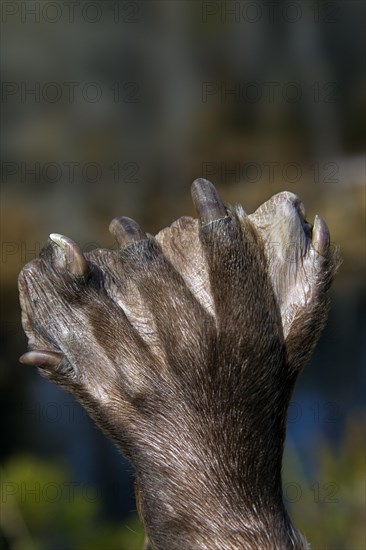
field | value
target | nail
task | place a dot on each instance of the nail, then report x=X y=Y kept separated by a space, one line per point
x=126 y=231
x=42 y=359
x=207 y=201
x=321 y=236
x=72 y=257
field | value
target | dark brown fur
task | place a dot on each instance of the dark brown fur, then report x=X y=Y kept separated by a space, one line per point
x=192 y=385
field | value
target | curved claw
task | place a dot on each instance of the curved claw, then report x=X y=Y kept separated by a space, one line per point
x=207 y=201
x=126 y=231
x=300 y=207
x=321 y=236
x=72 y=257
x=301 y=211
x=42 y=359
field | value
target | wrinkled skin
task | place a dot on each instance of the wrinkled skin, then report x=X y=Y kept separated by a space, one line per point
x=185 y=349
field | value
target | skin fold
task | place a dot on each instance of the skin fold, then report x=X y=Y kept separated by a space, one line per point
x=185 y=349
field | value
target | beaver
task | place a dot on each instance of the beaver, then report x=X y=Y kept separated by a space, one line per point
x=185 y=349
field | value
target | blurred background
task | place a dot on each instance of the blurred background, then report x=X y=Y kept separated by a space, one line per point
x=114 y=108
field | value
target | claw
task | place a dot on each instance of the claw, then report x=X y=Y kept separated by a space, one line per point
x=300 y=209
x=207 y=201
x=321 y=236
x=126 y=231
x=302 y=215
x=41 y=359
x=72 y=257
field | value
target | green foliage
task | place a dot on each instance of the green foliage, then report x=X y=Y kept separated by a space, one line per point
x=329 y=508
x=41 y=509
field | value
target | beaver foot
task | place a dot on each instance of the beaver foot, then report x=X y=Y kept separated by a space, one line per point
x=185 y=348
